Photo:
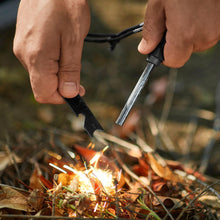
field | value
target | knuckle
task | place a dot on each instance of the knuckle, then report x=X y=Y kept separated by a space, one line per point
x=187 y=37
x=17 y=50
x=32 y=55
x=69 y=72
x=28 y=53
x=68 y=68
x=174 y=62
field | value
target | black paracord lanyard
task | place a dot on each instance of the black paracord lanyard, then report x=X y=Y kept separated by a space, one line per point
x=113 y=39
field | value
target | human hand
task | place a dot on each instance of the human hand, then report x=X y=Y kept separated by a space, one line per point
x=49 y=41
x=191 y=26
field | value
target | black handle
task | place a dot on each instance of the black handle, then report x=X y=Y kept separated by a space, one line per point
x=156 y=56
x=78 y=106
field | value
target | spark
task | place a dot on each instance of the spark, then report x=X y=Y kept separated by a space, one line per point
x=97 y=156
x=70 y=169
x=95 y=159
x=119 y=175
x=96 y=206
x=58 y=168
x=105 y=203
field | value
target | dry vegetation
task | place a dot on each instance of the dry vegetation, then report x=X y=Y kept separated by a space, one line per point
x=176 y=119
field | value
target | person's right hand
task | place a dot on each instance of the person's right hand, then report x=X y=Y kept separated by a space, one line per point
x=48 y=42
x=191 y=26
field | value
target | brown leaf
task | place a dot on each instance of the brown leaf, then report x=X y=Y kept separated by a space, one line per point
x=175 y=165
x=12 y=199
x=133 y=194
x=210 y=200
x=161 y=171
x=46 y=182
x=103 y=161
x=160 y=187
x=168 y=202
x=35 y=182
x=139 y=170
x=87 y=154
x=36 y=199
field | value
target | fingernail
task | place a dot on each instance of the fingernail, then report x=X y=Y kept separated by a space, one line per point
x=142 y=45
x=69 y=88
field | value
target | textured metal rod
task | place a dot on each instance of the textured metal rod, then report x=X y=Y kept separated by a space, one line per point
x=135 y=93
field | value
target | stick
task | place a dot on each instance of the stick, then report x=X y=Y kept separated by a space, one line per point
x=144 y=183
x=157 y=133
x=128 y=147
x=50 y=217
x=193 y=200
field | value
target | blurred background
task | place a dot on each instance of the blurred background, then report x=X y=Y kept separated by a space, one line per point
x=183 y=101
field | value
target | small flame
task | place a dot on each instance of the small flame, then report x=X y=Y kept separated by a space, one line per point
x=95 y=159
x=91 y=180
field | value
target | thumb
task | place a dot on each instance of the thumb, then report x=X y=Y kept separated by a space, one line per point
x=70 y=66
x=154 y=26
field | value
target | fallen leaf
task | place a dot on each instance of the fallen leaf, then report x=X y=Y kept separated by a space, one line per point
x=174 y=165
x=169 y=202
x=35 y=182
x=46 y=182
x=164 y=172
x=212 y=201
x=139 y=170
x=36 y=199
x=6 y=159
x=103 y=161
x=160 y=187
x=133 y=194
x=12 y=199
